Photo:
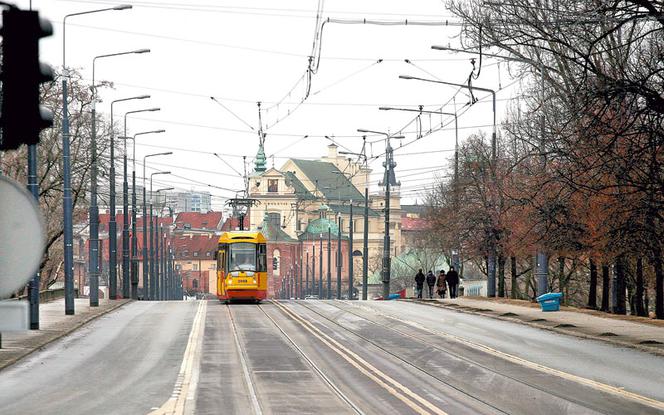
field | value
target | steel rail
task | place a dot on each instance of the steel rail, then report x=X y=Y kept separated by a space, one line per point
x=315 y=367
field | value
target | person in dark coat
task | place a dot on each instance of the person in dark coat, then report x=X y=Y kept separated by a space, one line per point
x=440 y=284
x=431 y=281
x=419 y=281
x=452 y=279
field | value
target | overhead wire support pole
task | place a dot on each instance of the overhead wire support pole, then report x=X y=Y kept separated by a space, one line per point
x=126 y=271
x=350 y=254
x=388 y=178
x=491 y=257
x=339 y=259
x=329 y=263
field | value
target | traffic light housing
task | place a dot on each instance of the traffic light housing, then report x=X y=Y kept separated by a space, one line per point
x=22 y=118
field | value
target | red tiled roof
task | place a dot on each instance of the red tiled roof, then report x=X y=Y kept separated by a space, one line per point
x=186 y=246
x=105 y=218
x=195 y=220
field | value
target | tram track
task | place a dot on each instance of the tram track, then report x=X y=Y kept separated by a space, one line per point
x=434 y=346
x=603 y=388
x=249 y=383
x=399 y=358
x=411 y=399
x=314 y=366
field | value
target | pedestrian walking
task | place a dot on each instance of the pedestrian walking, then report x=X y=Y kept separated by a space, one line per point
x=431 y=281
x=419 y=281
x=452 y=279
x=440 y=284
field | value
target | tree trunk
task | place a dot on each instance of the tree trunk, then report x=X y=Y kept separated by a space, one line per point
x=592 y=291
x=606 y=285
x=640 y=309
x=659 y=285
x=501 y=276
x=619 y=306
x=514 y=286
x=561 y=273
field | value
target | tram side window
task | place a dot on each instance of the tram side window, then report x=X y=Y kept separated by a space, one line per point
x=221 y=257
x=262 y=258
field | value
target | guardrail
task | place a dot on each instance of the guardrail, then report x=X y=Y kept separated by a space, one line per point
x=49 y=295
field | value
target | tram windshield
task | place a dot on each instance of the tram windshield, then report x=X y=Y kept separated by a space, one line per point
x=242 y=257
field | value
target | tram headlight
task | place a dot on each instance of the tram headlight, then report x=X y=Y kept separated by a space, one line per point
x=254 y=280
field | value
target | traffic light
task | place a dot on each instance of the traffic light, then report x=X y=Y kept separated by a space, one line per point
x=22 y=118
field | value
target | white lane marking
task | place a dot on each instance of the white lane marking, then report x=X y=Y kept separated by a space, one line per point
x=245 y=368
x=176 y=404
x=311 y=363
x=388 y=383
x=619 y=391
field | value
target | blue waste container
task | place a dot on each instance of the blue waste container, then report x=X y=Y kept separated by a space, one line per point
x=550 y=301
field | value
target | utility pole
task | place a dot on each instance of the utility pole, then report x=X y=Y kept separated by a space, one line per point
x=365 y=246
x=350 y=253
x=491 y=256
x=306 y=271
x=389 y=177
x=339 y=260
x=313 y=269
x=320 y=268
x=329 y=263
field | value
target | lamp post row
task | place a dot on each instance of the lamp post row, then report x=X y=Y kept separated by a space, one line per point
x=94 y=248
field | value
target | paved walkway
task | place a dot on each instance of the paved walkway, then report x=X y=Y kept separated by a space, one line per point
x=54 y=324
x=637 y=332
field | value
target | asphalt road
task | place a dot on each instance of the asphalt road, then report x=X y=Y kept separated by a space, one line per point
x=326 y=357
x=125 y=362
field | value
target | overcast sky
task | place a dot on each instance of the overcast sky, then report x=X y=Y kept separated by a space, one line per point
x=255 y=50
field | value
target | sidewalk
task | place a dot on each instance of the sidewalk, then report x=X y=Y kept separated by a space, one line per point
x=54 y=324
x=628 y=331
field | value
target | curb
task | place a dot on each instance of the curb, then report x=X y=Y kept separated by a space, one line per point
x=640 y=347
x=64 y=333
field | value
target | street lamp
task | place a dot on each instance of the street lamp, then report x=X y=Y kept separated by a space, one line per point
x=94 y=209
x=159 y=285
x=125 y=209
x=455 y=257
x=68 y=232
x=153 y=264
x=491 y=268
x=542 y=268
x=389 y=173
x=144 y=253
x=134 y=239
x=112 y=226
x=365 y=265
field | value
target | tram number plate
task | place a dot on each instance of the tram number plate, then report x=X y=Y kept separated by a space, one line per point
x=241 y=280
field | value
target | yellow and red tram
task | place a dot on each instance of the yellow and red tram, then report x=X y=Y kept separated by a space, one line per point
x=242 y=266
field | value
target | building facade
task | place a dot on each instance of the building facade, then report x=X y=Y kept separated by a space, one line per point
x=303 y=191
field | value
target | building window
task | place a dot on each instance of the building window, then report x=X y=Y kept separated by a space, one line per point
x=208 y=253
x=195 y=267
x=273 y=185
x=276 y=262
x=195 y=253
x=187 y=226
x=194 y=284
